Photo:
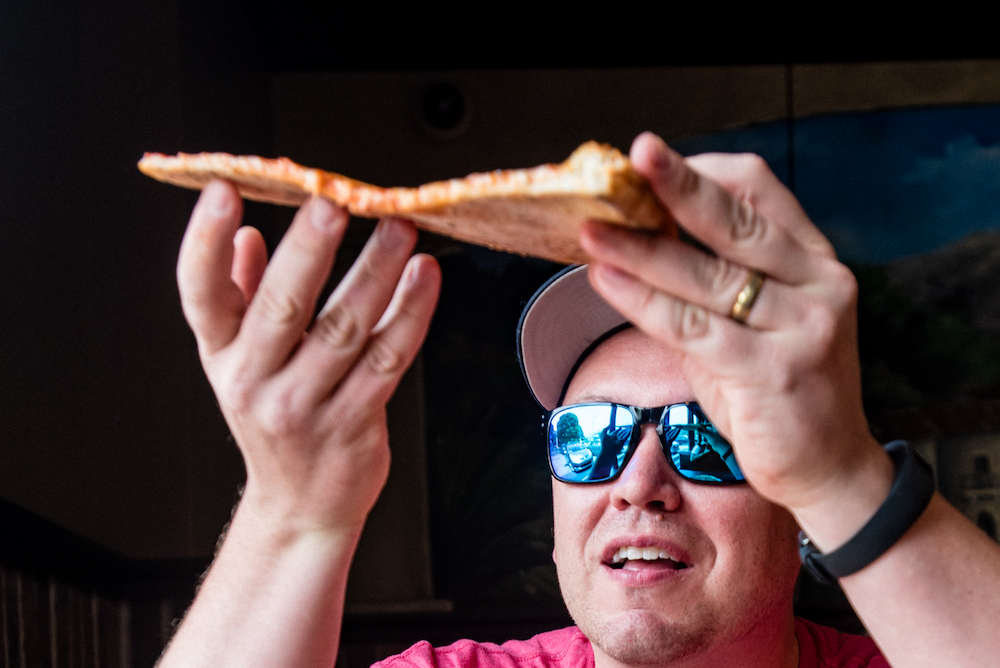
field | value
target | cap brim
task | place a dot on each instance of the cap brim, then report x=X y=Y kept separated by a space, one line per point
x=560 y=321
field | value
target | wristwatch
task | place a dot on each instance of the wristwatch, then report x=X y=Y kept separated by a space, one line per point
x=911 y=492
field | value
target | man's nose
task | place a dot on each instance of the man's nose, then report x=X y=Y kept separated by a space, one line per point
x=648 y=481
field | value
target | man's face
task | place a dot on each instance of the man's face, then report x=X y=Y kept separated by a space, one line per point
x=734 y=562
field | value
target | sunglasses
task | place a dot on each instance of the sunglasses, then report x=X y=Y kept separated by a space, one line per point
x=592 y=443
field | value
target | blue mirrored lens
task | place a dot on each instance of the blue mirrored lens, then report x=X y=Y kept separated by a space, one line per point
x=588 y=443
x=591 y=442
x=697 y=449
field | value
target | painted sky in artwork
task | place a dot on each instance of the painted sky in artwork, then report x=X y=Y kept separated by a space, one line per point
x=888 y=184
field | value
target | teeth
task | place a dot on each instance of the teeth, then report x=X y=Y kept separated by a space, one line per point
x=627 y=552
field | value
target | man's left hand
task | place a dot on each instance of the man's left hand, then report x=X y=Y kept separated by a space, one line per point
x=784 y=385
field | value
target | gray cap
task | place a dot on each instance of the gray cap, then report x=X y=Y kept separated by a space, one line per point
x=560 y=325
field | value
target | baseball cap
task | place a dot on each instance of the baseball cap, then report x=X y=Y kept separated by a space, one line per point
x=560 y=325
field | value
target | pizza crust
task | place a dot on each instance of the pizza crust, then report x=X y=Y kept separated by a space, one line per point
x=535 y=211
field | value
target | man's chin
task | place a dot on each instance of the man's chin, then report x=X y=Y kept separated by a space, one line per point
x=641 y=638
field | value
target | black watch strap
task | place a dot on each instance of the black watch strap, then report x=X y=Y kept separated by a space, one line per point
x=911 y=492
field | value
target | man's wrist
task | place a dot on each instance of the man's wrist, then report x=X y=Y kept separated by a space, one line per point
x=909 y=496
x=279 y=526
x=852 y=490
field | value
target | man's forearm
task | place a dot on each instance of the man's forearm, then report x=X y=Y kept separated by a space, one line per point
x=931 y=600
x=271 y=599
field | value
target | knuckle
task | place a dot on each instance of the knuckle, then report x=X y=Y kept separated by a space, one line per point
x=752 y=164
x=689 y=321
x=828 y=311
x=281 y=412
x=371 y=273
x=783 y=377
x=238 y=390
x=747 y=169
x=718 y=276
x=823 y=326
x=337 y=328
x=688 y=182
x=283 y=415
x=278 y=306
x=368 y=270
x=383 y=358
x=844 y=285
x=747 y=225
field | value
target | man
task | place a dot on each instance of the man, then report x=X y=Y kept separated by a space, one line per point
x=656 y=566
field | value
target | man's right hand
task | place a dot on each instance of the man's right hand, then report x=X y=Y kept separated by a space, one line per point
x=305 y=399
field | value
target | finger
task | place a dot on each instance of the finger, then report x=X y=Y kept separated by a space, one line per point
x=732 y=227
x=673 y=321
x=249 y=261
x=748 y=178
x=399 y=335
x=345 y=324
x=285 y=300
x=212 y=303
x=679 y=269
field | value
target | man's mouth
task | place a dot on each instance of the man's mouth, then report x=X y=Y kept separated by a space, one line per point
x=634 y=558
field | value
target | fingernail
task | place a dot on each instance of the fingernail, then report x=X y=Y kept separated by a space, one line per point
x=412 y=274
x=217 y=199
x=660 y=155
x=611 y=276
x=321 y=212
x=392 y=233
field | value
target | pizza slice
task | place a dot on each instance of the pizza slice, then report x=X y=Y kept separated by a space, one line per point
x=535 y=211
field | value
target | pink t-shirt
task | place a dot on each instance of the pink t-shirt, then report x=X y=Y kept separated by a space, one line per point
x=819 y=647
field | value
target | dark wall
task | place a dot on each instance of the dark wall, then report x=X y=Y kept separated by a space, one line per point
x=107 y=425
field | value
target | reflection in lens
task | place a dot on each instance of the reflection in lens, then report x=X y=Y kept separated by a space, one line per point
x=590 y=443
x=587 y=443
x=614 y=445
x=697 y=449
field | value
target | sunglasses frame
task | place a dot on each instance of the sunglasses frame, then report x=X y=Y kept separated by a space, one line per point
x=640 y=416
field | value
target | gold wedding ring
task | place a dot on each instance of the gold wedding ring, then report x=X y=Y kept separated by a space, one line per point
x=747 y=296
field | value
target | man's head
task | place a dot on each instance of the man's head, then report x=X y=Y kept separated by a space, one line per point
x=725 y=560
x=732 y=554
